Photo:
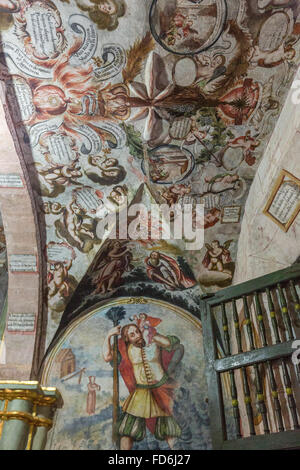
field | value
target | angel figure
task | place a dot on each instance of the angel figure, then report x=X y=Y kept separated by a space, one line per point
x=58 y=278
x=217 y=256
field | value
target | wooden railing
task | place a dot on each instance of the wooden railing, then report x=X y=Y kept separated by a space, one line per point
x=249 y=333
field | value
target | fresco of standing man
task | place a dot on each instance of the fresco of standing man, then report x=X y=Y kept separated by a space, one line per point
x=146 y=371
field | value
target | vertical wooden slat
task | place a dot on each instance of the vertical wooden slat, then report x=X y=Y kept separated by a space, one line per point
x=261 y=398
x=289 y=393
x=247 y=397
x=260 y=394
x=273 y=317
x=248 y=323
x=216 y=404
x=285 y=313
x=274 y=391
x=260 y=319
x=238 y=335
x=226 y=332
x=233 y=389
x=295 y=298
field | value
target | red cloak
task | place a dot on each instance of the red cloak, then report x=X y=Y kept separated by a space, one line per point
x=163 y=395
x=183 y=280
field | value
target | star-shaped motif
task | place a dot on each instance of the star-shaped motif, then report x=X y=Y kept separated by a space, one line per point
x=147 y=98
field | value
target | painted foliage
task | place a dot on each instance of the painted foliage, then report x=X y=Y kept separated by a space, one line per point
x=106 y=95
x=155 y=399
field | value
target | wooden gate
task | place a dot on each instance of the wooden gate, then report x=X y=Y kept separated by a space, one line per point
x=253 y=376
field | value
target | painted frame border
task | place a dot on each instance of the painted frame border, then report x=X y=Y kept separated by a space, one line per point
x=278 y=183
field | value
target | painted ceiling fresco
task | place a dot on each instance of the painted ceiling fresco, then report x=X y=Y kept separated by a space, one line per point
x=170 y=100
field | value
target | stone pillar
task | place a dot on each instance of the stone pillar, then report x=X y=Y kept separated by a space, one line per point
x=26 y=414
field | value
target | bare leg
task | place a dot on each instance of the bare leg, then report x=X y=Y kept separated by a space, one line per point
x=114 y=277
x=220 y=266
x=126 y=443
x=170 y=441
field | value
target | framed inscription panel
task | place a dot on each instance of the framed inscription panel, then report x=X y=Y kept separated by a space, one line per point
x=231 y=214
x=283 y=205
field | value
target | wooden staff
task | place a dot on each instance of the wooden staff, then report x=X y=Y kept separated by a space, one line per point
x=115 y=314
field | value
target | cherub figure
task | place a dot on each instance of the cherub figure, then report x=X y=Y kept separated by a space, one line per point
x=9 y=6
x=248 y=144
x=147 y=326
x=105 y=171
x=105 y=13
x=58 y=279
x=217 y=256
x=56 y=177
x=175 y=192
x=267 y=59
x=118 y=195
x=74 y=221
x=77 y=226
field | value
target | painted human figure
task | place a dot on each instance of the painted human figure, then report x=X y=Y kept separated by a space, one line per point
x=60 y=175
x=9 y=6
x=171 y=169
x=147 y=326
x=91 y=396
x=217 y=184
x=118 y=195
x=106 y=171
x=207 y=65
x=269 y=59
x=165 y=270
x=195 y=134
x=180 y=28
x=110 y=268
x=247 y=143
x=217 y=256
x=211 y=217
x=104 y=13
x=74 y=217
x=175 y=192
x=58 y=279
x=146 y=372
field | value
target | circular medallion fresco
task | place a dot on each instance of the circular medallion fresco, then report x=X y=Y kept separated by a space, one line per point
x=187 y=26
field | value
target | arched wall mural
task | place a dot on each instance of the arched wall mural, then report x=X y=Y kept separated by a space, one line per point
x=173 y=413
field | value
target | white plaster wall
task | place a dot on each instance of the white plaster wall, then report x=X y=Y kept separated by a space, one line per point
x=263 y=247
